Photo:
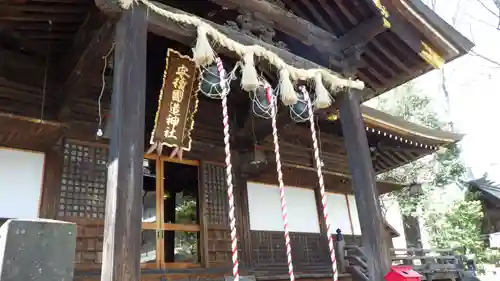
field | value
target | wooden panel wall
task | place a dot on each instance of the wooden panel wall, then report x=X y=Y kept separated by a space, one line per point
x=309 y=252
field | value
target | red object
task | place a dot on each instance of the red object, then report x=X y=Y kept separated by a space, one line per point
x=402 y=273
x=268 y=93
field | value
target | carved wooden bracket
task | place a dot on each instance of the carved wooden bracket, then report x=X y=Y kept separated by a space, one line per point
x=352 y=59
x=256 y=25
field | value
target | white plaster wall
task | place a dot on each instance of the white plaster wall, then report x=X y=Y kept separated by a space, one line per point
x=21 y=176
x=338 y=213
x=265 y=208
x=354 y=214
x=395 y=219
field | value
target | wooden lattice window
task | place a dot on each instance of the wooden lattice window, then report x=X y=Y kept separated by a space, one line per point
x=216 y=194
x=83 y=184
x=217 y=209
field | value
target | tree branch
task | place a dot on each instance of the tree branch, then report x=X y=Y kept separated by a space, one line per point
x=497 y=3
x=472 y=53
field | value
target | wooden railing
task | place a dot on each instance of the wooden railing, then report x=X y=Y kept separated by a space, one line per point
x=431 y=263
x=351 y=259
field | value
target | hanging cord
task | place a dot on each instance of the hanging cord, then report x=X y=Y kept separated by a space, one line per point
x=274 y=109
x=321 y=183
x=45 y=75
x=103 y=86
x=320 y=149
x=229 y=170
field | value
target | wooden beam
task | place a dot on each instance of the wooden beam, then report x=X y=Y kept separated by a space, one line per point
x=285 y=21
x=186 y=34
x=85 y=63
x=364 y=182
x=305 y=31
x=122 y=231
x=362 y=33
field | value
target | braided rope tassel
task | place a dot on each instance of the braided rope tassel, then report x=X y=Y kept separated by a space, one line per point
x=229 y=169
x=274 y=106
x=321 y=183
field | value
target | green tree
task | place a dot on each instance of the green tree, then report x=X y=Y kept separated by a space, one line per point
x=457 y=226
x=439 y=169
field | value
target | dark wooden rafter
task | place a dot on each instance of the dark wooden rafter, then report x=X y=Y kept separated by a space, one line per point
x=382 y=163
x=331 y=13
x=85 y=62
x=14 y=63
x=7 y=35
x=389 y=56
x=317 y=15
x=389 y=158
x=362 y=33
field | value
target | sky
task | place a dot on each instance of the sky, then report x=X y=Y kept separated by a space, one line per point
x=472 y=83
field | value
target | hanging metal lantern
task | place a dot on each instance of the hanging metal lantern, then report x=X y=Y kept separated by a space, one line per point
x=262 y=100
x=299 y=112
x=210 y=84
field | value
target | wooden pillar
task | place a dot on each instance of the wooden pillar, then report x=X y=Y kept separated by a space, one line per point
x=363 y=178
x=122 y=232
x=51 y=187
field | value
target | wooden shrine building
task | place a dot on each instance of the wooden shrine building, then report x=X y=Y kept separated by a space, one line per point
x=488 y=192
x=80 y=86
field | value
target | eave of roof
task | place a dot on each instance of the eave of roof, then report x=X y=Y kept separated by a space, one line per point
x=402 y=127
x=431 y=19
x=490 y=188
x=392 y=231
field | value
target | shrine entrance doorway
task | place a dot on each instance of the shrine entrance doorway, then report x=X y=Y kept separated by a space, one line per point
x=171 y=214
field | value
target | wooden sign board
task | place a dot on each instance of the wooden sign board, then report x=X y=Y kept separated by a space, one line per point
x=178 y=102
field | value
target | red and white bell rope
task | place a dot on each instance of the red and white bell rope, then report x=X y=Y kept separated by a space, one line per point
x=274 y=105
x=229 y=170
x=321 y=182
